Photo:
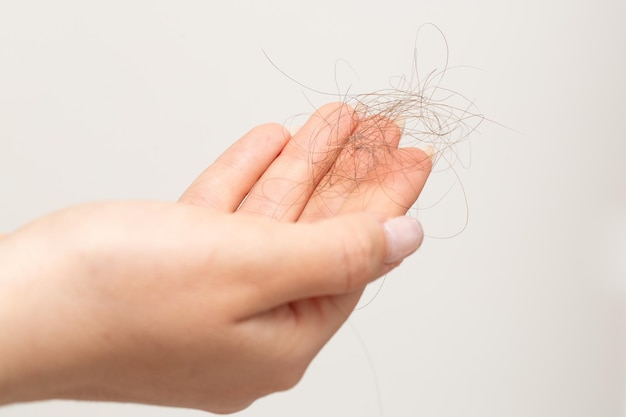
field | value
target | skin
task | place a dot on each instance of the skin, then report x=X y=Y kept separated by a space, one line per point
x=221 y=298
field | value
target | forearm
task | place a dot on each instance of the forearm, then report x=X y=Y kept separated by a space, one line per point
x=13 y=350
x=17 y=348
x=32 y=340
x=14 y=353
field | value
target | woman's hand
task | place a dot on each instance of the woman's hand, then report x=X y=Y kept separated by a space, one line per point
x=210 y=303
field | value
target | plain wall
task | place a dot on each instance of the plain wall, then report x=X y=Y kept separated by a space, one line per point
x=522 y=314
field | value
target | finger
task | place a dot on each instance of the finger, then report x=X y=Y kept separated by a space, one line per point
x=368 y=151
x=224 y=184
x=371 y=174
x=284 y=189
x=329 y=258
x=319 y=318
x=392 y=196
x=396 y=186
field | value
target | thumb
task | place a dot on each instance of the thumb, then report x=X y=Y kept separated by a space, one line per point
x=343 y=254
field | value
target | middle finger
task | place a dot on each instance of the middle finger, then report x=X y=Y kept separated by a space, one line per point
x=286 y=187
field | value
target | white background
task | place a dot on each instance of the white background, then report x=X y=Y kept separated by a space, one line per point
x=522 y=314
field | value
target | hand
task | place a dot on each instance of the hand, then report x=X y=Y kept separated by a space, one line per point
x=207 y=304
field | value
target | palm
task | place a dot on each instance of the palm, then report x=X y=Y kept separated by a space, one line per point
x=334 y=164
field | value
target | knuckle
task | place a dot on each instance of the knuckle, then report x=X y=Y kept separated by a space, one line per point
x=358 y=251
x=289 y=366
x=196 y=197
x=289 y=377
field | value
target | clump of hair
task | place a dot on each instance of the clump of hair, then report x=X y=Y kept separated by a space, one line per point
x=431 y=116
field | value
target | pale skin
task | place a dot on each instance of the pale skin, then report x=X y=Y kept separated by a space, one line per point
x=221 y=298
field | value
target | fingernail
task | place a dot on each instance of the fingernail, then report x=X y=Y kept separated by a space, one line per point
x=430 y=151
x=404 y=236
x=400 y=122
x=361 y=111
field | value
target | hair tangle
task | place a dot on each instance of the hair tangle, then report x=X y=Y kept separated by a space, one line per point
x=431 y=116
